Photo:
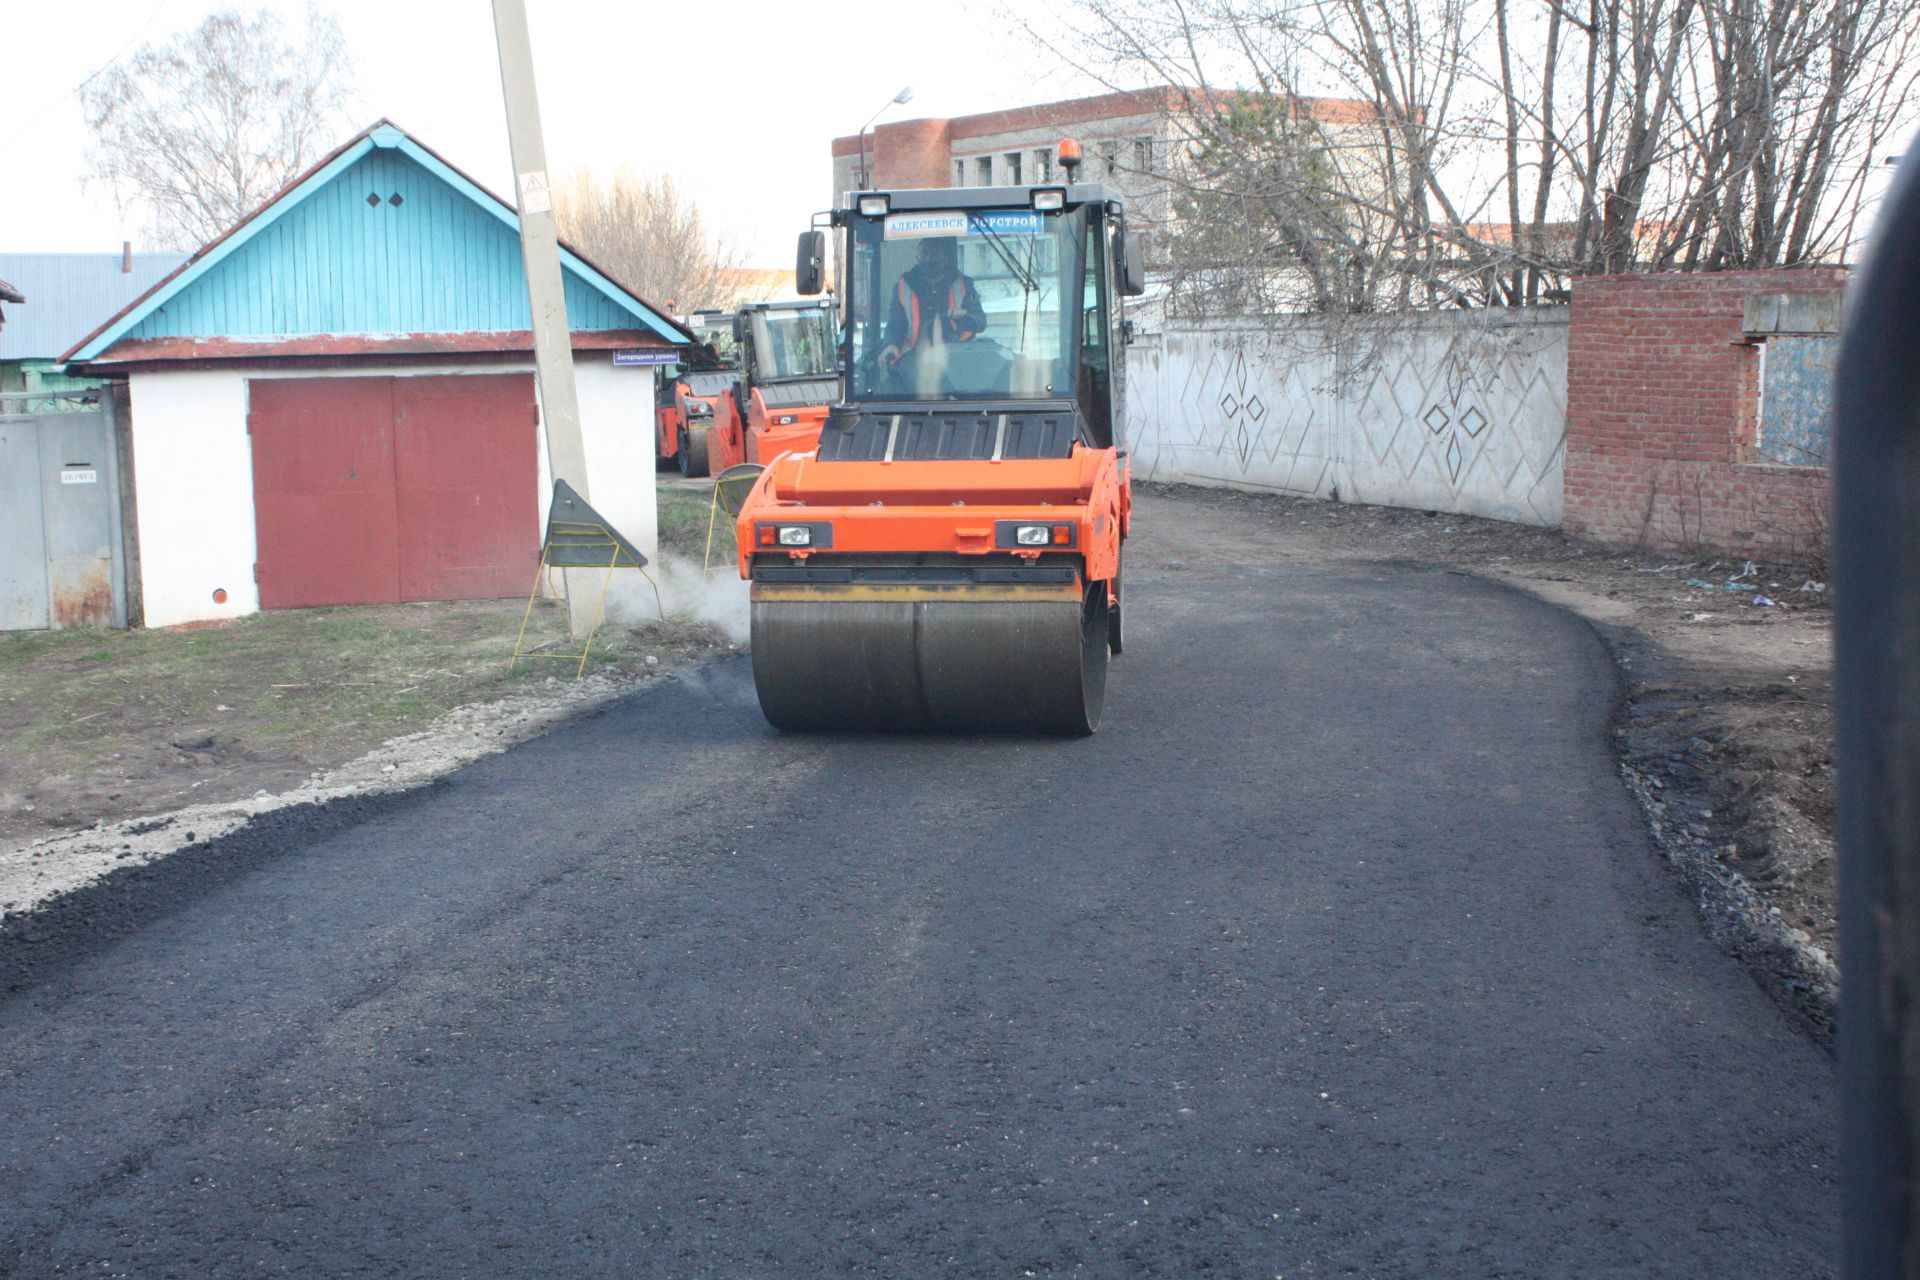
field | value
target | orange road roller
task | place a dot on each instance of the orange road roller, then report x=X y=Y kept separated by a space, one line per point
x=949 y=556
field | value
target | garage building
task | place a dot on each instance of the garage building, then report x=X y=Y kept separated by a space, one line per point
x=334 y=402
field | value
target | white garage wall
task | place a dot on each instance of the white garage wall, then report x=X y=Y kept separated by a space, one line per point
x=616 y=425
x=193 y=468
x=193 y=472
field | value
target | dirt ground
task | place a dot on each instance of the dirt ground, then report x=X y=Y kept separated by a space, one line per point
x=99 y=726
x=1726 y=731
x=106 y=724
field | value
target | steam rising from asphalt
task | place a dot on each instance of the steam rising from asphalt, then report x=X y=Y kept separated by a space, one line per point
x=718 y=597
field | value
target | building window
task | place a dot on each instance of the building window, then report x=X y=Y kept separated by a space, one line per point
x=1795 y=419
x=983 y=171
x=1013 y=168
x=959 y=173
x=1043 y=165
x=1143 y=155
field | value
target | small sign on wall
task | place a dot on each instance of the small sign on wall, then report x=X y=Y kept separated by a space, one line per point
x=79 y=475
x=664 y=355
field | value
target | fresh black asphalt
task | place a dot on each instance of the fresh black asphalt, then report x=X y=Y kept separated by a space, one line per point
x=1340 y=950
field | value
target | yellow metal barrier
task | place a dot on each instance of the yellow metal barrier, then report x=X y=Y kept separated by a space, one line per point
x=730 y=489
x=578 y=537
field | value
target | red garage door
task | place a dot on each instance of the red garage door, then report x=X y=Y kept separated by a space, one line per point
x=371 y=490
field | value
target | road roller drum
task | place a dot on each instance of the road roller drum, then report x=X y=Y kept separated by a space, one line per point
x=1015 y=659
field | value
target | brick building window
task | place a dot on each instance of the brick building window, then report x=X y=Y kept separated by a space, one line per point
x=959 y=173
x=983 y=171
x=1794 y=412
x=1143 y=155
x=1013 y=168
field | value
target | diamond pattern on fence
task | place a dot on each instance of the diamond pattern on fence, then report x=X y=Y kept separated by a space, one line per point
x=1440 y=413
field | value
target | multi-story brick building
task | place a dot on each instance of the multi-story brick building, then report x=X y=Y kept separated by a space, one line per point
x=1126 y=138
x=1133 y=141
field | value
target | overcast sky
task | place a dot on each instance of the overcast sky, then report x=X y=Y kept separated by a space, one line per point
x=742 y=111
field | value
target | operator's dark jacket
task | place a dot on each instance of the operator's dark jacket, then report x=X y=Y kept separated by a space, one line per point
x=921 y=300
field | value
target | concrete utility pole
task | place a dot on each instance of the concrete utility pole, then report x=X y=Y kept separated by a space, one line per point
x=540 y=251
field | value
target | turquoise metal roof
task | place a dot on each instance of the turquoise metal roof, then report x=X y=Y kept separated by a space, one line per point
x=381 y=238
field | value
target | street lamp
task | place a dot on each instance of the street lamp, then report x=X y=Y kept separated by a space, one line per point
x=866 y=173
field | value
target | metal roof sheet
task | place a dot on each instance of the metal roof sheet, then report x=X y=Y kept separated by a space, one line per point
x=69 y=295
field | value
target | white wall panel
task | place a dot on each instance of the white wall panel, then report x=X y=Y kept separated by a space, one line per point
x=1461 y=412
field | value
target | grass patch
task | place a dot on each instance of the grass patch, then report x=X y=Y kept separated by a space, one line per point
x=100 y=724
x=684 y=512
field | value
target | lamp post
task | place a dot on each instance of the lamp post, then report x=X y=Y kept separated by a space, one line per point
x=866 y=173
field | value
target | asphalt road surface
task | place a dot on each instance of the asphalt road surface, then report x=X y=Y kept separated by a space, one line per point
x=1339 y=951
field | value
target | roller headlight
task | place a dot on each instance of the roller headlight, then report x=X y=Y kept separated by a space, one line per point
x=814 y=535
x=1032 y=535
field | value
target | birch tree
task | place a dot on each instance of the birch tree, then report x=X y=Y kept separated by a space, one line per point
x=199 y=131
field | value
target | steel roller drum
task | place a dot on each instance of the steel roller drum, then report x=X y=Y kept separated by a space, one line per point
x=1026 y=658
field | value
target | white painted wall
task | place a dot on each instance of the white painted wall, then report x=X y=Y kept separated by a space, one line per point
x=193 y=471
x=616 y=427
x=193 y=478
x=1450 y=411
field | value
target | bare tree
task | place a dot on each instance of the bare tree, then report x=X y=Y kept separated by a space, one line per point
x=649 y=235
x=201 y=130
x=1359 y=155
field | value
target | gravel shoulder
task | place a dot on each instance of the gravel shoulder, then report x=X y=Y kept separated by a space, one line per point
x=1725 y=733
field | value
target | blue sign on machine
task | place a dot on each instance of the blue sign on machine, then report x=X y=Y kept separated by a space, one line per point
x=1006 y=222
x=658 y=355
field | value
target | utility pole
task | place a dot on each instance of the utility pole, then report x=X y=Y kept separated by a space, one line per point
x=540 y=252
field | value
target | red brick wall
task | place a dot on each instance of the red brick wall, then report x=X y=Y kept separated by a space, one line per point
x=1662 y=396
x=912 y=153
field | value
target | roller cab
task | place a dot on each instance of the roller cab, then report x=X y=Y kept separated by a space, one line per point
x=767 y=395
x=949 y=556
x=788 y=352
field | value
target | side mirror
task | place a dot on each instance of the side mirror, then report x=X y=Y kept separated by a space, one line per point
x=1130 y=262
x=810 y=265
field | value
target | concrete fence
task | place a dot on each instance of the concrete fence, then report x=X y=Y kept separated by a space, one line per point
x=1462 y=412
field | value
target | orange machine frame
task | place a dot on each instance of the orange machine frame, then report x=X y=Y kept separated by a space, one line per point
x=910 y=508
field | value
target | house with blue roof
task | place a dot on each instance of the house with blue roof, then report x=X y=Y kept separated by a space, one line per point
x=60 y=298
x=334 y=401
